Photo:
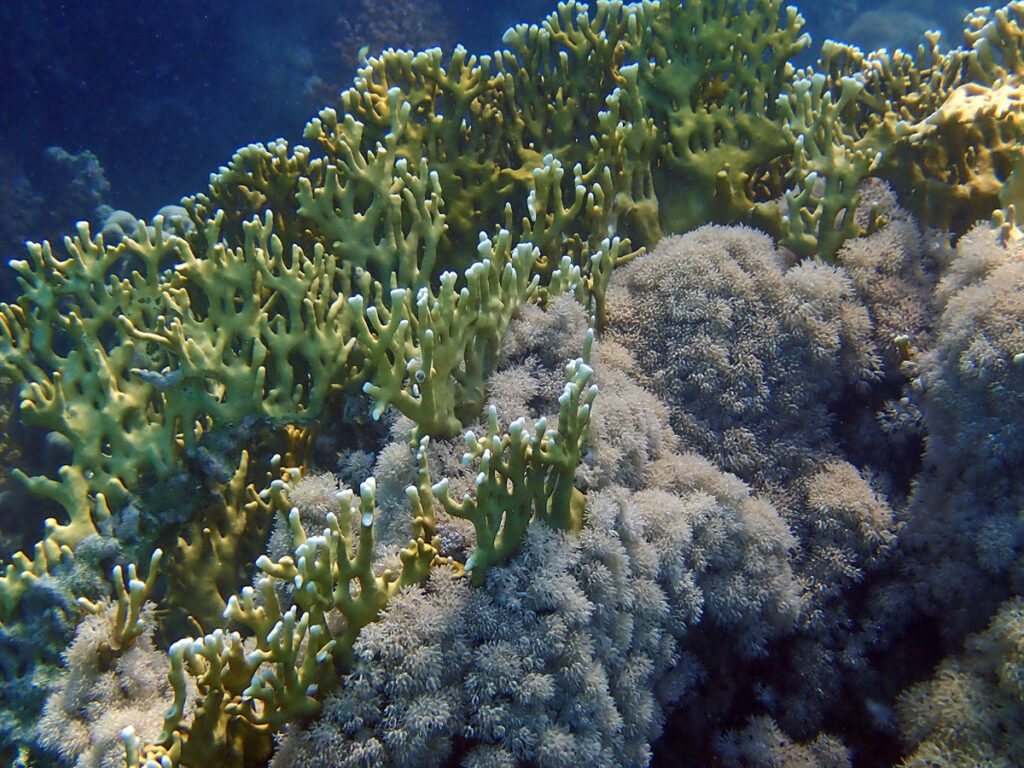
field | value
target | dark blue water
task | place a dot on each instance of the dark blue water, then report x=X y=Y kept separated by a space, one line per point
x=162 y=93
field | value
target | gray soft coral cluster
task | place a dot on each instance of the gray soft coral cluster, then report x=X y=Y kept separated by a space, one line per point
x=572 y=653
x=763 y=605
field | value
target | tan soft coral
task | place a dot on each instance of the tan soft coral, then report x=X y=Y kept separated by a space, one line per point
x=101 y=692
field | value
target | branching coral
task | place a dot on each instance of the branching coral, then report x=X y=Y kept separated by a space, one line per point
x=713 y=95
x=947 y=123
x=337 y=586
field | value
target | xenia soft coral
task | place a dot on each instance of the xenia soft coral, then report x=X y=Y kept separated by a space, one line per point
x=571 y=653
x=965 y=532
x=101 y=693
x=746 y=353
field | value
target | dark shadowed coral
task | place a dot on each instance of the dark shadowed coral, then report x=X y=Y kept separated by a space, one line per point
x=971 y=712
x=754 y=360
x=376 y=25
x=762 y=745
x=965 y=533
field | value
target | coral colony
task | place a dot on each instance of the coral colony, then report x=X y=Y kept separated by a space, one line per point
x=625 y=395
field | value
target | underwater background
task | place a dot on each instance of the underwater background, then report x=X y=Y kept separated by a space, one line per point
x=650 y=393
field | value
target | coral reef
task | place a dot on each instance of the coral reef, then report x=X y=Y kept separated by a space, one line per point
x=374 y=26
x=574 y=650
x=695 y=500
